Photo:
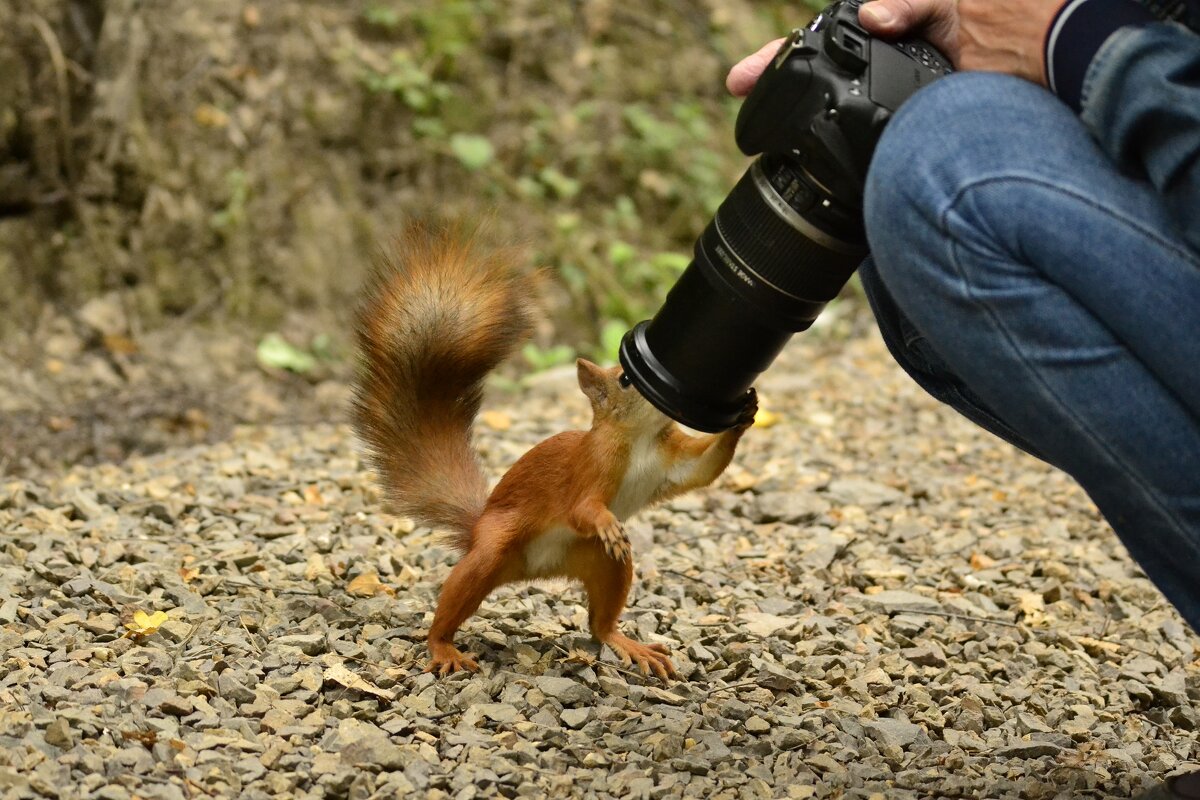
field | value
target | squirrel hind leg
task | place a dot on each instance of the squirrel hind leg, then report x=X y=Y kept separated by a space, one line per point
x=472 y=579
x=607 y=581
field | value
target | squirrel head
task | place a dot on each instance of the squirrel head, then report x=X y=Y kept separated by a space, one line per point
x=615 y=401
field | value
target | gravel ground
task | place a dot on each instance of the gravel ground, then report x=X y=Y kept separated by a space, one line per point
x=876 y=601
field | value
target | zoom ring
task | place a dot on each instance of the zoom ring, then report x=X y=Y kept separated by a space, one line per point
x=776 y=252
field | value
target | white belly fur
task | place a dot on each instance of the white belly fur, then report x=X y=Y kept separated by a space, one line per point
x=545 y=554
x=645 y=476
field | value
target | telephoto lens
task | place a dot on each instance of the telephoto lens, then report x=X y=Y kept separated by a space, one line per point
x=778 y=249
x=790 y=234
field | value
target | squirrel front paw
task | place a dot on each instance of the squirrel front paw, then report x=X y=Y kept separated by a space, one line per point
x=746 y=418
x=615 y=540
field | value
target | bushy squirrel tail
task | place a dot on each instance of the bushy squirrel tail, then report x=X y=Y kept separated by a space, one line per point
x=438 y=315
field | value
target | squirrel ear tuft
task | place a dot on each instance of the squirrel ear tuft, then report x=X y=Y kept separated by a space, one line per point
x=592 y=380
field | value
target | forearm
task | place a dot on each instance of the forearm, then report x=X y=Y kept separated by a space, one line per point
x=701 y=460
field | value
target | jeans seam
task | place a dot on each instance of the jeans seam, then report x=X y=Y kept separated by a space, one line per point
x=1175 y=248
x=1044 y=389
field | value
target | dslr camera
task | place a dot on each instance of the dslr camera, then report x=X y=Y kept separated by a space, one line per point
x=790 y=234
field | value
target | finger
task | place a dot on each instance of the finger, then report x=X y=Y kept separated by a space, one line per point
x=885 y=17
x=643 y=665
x=659 y=648
x=937 y=20
x=660 y=671
x=744 y=75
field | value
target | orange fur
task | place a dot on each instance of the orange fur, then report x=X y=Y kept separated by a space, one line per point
x=558 y=511
x=437 y=316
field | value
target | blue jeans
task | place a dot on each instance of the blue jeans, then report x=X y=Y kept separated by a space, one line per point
x=1018 y=276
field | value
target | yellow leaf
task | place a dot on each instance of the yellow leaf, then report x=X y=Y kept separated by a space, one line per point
x=119 y=345
x=368 y=585
x=209 y=116
x=764 y=418
x=496 y=420
x=312 y=496
x=145 y=624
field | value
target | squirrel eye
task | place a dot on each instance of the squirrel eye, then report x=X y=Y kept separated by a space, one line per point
x=625 y=380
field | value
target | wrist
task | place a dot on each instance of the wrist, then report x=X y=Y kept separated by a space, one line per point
x=1075 y=35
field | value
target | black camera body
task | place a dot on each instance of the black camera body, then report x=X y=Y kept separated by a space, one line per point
x=790 y=233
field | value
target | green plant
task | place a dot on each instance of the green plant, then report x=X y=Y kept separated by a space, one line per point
x=542 y=359
x=233 y=215
x=408 y=81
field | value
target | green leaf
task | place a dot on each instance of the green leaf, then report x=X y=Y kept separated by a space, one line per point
x=382 y=16
x=322 y=347
x=563 y=187
x=541 y=359
x=273 y=351
x=621 y=253
x=671 y=262
x=473 y=151
x=429 y=128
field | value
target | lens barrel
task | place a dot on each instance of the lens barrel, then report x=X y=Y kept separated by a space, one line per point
x=778 y=249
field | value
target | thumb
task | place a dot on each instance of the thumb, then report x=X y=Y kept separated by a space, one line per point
x=936 y=20
x=745 y=73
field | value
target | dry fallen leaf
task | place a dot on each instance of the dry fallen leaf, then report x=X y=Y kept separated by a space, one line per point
x=144 y=624
x=147 y=737
x=496 y=420
x=980 y=561
x=368 y=585
x=120 y=345
x=315 y=568
x=209 y=116
x=577 y=656
x=337 y=672
x=1033 y=608
x=312 y=495
x=188 y=574
x=1096 y=647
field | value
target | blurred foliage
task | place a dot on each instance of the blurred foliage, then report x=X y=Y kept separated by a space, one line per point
x=223 y=159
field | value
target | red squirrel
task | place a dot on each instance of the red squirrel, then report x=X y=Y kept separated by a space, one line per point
x=439 y=314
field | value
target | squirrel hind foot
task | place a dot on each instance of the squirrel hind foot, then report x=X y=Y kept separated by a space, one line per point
x=648 y=657
x=446 y=659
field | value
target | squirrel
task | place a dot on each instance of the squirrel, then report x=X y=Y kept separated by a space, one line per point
x=438 y=315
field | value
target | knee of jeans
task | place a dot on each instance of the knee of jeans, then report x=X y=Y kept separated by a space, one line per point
x=949 y=136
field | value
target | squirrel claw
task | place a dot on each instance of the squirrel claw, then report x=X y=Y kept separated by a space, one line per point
x=615 y=541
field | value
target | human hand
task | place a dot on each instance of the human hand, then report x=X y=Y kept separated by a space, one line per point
x=973 y=34
x=977 y=35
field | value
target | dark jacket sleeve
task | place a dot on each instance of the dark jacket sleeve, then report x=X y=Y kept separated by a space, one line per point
x=1136 y=83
